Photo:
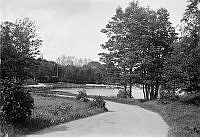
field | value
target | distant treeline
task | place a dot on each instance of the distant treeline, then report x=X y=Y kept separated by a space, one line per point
x=49 y=71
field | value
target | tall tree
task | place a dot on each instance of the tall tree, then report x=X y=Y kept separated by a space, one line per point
x=183 y=65
x=19 y=47
x=139 y=40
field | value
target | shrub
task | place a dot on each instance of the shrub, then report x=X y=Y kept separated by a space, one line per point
x=53 y=79
x=99 y=102
x=168 y=96
x=30 y=82
x=16 y=104
x=51 y=111
x=122 y=94
x=82 y=95
x=191 y=99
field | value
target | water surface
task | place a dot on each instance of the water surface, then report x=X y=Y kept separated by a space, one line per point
x=136 y=92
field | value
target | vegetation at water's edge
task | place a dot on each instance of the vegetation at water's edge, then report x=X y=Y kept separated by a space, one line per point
x=143 y=48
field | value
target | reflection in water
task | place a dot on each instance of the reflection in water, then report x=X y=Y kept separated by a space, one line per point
x=136 y=92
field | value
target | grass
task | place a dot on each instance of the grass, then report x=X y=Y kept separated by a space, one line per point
x=51 y=111
x=183 y=119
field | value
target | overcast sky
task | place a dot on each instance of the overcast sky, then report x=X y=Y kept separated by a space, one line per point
x=72 y=27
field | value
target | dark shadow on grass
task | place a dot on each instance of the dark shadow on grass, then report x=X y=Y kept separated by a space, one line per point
x=52 y=129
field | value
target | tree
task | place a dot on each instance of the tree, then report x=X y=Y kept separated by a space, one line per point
x=139 y=41
x=159 y=39
x=47 y=71
x=19 y=47
x=72 y=60
x=119 y=60
x=182 y=67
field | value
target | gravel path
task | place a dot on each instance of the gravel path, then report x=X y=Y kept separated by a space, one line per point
x=121 y=121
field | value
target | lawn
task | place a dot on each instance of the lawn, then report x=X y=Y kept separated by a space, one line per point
x=51 y=111
x=183 y=119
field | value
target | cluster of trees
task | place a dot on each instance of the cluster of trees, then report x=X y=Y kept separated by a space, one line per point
x=72 y=60
x=19 y=53
x=20 y=61
x=183 y=65
x=66 y=71
x=19 y=48
x=143 y=48
x=19 y=58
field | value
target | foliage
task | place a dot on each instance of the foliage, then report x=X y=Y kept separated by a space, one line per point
x=122 y=94
x=72 y=60
x=99 y=102
x=191 y=18
x=143 y=48
x=82 y=95
x=49 y=71
x=16 y=103
x=191 y=99
x=182 y=66
x=19 y=47
x=138 y=44
x=51 y=111
x=168 y=96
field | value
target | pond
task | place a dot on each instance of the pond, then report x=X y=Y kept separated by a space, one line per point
x=136 y=92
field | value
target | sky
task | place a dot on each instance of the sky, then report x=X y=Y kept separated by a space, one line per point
x=72 y=27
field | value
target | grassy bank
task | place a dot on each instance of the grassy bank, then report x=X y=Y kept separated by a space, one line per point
x=51 y=111
x=183 y=119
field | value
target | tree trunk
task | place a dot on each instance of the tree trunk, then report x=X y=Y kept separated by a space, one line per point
x=156 y=90
x=130 y=80
x=143 y=89
x=125 y=87
x=130 y=88
x=147 y=91
x=152 y=92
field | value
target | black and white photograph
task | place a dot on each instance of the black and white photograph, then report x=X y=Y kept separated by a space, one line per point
x=100 y=68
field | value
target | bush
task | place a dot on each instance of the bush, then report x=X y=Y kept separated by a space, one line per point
x=53 y=79
x=51 y=111
x=191 y=99
x=168 y=96
x=30 y=82
x=99 y=102
x=16 y=104
x=82 y=95
x=122 y=94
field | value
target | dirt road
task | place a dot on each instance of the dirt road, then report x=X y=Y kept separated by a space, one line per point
x=121 y=121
